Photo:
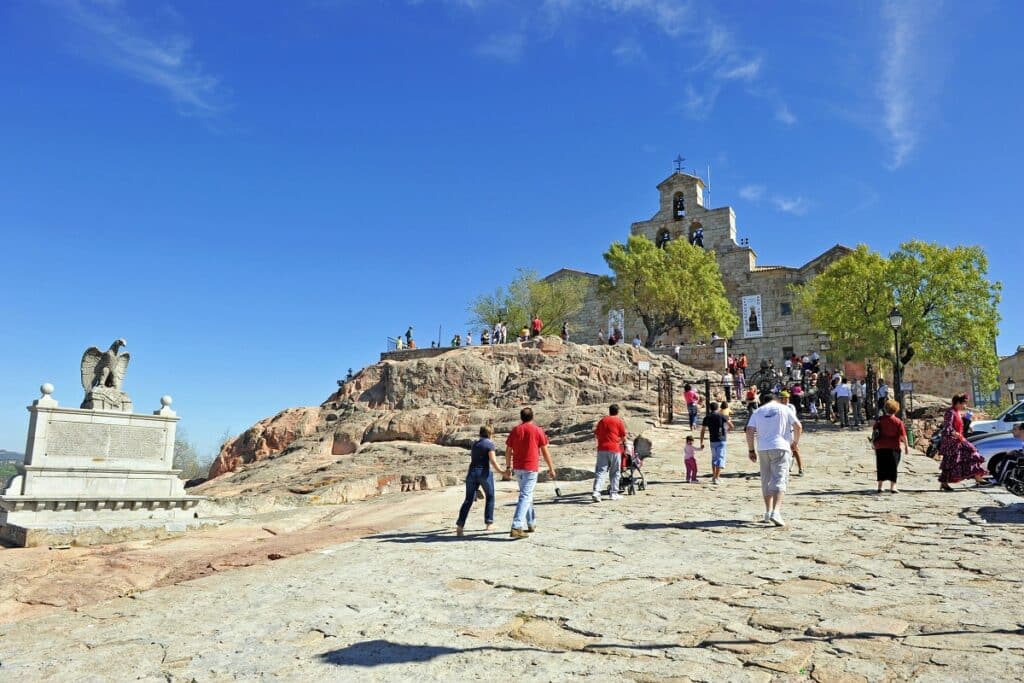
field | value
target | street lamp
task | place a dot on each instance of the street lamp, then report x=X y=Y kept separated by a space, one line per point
x=896 y=322
x=1010 y=386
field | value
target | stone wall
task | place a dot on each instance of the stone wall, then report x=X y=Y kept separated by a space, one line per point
x=938 y=381
x=414 y=354
x=1013 y=366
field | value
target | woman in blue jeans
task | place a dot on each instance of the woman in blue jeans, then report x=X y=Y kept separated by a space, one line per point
x=482 y=466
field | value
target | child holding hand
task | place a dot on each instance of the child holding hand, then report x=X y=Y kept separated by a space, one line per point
x=690 y=460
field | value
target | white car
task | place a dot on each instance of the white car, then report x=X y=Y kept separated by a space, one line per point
x=1003 y=423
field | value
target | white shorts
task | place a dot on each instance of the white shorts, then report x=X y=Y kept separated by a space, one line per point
x=775 y=464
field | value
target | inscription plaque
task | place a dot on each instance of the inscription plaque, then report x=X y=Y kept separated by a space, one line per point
x=89 y=440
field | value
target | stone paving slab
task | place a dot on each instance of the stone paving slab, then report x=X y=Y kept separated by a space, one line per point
x=680 y=583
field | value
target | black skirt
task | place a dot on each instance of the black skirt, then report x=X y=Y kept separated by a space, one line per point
x=887 y=461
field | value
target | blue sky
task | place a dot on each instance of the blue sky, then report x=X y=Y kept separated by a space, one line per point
x=255 y=195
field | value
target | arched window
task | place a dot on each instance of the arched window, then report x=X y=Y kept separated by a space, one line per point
x=663 y=238
x=678 y=206
x=696 y=236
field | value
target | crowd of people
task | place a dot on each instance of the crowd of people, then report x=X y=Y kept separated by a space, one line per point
x=772 y=432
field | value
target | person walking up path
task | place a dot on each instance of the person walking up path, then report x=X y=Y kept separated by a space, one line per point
x=960 y=459
x=891 y=434
x=482 y=465
x=771 y=424
x=690 y=460
x=717 y=425
x=611 y=439
x=784 y=400
x=525 y=443
x=693 y=400
x=843 y=396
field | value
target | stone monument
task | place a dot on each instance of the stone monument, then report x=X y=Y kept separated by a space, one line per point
x=98 y=473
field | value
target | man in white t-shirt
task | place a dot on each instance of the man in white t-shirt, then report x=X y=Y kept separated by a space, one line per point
x=777 y=430
x=843 y=395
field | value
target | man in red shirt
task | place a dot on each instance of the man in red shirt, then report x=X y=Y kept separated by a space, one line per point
x=611 y=437
x=536 y=326
x=523 y=446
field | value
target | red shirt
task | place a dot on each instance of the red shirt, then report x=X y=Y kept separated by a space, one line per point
x=537 y=324
x=610 y=432
x=890 y=429
x=525 y=441
x=691 y=396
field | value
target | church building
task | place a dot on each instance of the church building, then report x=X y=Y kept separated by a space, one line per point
x=770 y=326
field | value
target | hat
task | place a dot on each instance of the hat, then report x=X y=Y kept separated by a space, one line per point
x=784 y=394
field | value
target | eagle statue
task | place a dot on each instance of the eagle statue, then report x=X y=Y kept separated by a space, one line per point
x=104 y=369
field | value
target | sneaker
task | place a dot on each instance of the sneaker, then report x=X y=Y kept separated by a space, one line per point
x=777 y=520
x=517 y=533
x=615 y=496
x=715 y=481
x=530 y=529
x=767 y=518
x=596 y=497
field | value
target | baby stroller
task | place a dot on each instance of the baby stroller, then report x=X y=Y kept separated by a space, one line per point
x=632 y=477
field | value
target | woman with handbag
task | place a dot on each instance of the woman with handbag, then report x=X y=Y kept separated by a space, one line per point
x=960 y=459
x=887 y=436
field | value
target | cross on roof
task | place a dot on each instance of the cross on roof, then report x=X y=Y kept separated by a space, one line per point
x=679 y=162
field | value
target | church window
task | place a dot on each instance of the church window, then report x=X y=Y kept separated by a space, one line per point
x=785 y=308
x=678 y=206
x=696 y=236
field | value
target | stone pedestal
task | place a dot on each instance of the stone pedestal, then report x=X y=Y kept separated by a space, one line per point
x=93 y=476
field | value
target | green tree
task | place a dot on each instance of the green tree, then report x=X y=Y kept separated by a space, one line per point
x=553 y=301
x=679 y=285
x=949 y=307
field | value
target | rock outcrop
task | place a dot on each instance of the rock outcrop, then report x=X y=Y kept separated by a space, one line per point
x=441 y=401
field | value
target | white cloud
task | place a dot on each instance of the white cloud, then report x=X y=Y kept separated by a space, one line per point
x=746 y=71
x=784 y=115
x=629 y=51
x=753 y=193
x=505 y=47
x=165 y=61
x=907 y=74
x=795 y=205
x=699 y=104
x=798 y=206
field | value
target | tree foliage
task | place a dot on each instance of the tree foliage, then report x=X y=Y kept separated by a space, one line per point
x=554 y=301
x=187 y=459
x=949 y=306
x=679 y=285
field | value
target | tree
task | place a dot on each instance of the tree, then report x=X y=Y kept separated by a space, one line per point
x=949 y=307
x=679 y=285
x=186 y=457
x=554 y=302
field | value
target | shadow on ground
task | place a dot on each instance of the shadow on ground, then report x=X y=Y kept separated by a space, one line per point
x=381 y=652
x=438 y=536
x=703 y=524
x=1011 y=514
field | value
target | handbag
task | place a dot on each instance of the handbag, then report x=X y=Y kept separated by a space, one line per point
x=876 y=433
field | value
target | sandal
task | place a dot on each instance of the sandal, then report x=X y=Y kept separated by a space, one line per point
x=945 y=487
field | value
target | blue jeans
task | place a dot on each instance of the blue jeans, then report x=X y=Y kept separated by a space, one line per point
x=478 y=477
x=718 y=454
x=524 y=515
x=691 y=409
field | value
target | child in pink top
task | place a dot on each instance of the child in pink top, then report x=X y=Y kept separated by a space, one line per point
x=690 y=460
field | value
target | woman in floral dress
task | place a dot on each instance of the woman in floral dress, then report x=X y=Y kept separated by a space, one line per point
x=960 y=459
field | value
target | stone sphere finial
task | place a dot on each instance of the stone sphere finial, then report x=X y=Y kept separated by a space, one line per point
x=166 y=401
x=46 y=389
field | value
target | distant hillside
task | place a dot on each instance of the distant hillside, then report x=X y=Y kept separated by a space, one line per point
x=11 y=456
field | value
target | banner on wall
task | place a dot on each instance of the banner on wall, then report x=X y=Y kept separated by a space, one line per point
x=753 y=322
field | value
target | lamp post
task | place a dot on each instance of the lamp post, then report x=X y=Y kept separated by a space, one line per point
x=1010 y=386
x=896 y=322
